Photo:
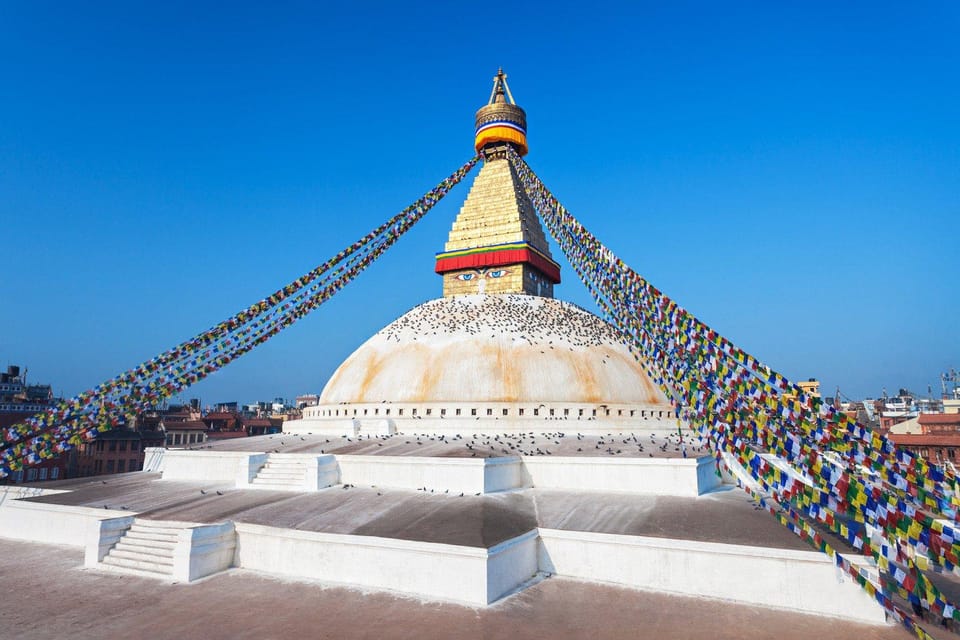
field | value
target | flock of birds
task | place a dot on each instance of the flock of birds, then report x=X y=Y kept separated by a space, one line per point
x=493 y=445
x=531 y=319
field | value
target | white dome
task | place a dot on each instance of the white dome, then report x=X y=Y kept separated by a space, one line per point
x=493 y=348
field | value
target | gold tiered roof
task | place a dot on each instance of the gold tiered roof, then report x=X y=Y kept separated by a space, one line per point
x=496 y=244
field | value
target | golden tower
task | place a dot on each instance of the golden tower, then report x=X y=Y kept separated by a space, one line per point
x=496 y=244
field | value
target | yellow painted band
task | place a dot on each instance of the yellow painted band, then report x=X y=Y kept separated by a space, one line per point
x=501 y=134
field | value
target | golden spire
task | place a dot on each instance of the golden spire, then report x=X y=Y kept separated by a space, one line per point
x=501 y=120
x=496 y=244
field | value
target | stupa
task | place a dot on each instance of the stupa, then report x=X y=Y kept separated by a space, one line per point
x=524 y=482
x=497 y=351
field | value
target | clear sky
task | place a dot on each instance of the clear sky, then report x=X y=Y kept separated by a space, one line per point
x=790 y=174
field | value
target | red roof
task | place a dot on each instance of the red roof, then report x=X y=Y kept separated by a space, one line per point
x=939 y=418
x=186 y=425
x=226 y=435
x=220 y=415
x=257 y=422
x=925 y=439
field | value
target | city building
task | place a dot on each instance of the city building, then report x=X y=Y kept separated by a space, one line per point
x=116 y=451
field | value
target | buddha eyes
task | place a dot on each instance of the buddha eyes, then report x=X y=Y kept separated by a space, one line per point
x=495 y=273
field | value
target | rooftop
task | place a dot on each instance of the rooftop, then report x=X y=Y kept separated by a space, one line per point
x=259 y=606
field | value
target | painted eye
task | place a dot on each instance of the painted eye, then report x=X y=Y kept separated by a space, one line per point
x=498 y=273
x=466 y=276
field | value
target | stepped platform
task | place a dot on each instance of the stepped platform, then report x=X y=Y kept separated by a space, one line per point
x=424 y=516
x=554 y=608
x=725 y=515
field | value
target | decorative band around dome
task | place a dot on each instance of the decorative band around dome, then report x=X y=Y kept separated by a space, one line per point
x=498 y=255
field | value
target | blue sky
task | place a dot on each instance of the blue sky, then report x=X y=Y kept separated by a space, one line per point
x=790 y=174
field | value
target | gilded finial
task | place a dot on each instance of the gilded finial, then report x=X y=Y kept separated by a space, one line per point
x=501 y=120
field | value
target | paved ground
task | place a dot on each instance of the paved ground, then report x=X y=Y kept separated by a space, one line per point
x=46 y=594
x=726 y=515
x=568 y=443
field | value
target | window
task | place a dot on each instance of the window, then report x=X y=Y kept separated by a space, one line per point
x=387 y=411
x=134 y=446
x=520 y=411
x=376 y=412
x=123 y=445
x=43 y=473
x=97 y=466
x=579 y=412
x=100 y=446
x=536 y=411
x=632 y=411
x=113 y=445
x=400 y=412
x=551 y=411
x=594 y=413
x=619 y=412
x=489 y=412
x=122 y=466
x=54 y=473
x=429 y=411
x=473 y=412
x=414 y=412
x=18 y=476
x=443 y=412
x=458 y=411
x=364 y=412
x=566 y=412
x=110 y=466
x=506 y=411
x=31 y=474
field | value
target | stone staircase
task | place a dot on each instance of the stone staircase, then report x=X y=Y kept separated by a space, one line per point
x=281 y=474
x=146 y=548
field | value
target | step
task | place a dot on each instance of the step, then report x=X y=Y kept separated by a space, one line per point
x=279 y=482
x=142 y=543
x=275 y=474
x=116 y=552
x=139 y=525
x=154 y=537
x=126 y=563
x=277 y=486
x=283 y=469
x=146 y=546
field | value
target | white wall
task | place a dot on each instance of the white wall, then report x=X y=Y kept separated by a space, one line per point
x=51 y=523
x=804 y=581
x=661 y=476
x=439 y=571
x=214 y=467
x=468 y=475
x=511 y=563
x=203 y=550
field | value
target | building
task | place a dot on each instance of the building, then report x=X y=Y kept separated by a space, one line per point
x=939 y=448
x=19 y=401
x=258 y=426
x=810 y=387
x=116 y=451
x=222 y=421
x=307 y=400
x=183 y=433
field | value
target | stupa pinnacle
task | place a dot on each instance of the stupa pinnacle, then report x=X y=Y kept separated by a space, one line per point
x=496 y=244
